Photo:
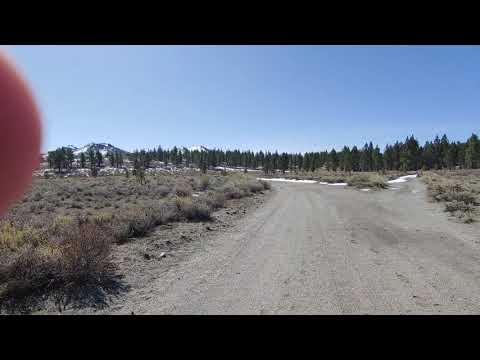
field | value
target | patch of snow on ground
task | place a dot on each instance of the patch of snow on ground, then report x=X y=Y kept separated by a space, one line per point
x=364 y=189
x=289 y=180
x=402 y=179
x=338 y=184
x=394 y=188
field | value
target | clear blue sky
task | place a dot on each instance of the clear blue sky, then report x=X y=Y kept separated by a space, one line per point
x=286 y=98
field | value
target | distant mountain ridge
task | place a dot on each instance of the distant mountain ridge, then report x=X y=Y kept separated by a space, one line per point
x=198 y=148
x=105 y=148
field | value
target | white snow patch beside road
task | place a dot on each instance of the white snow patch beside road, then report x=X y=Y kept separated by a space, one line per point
x=289 y=180
x=302 y=181
x=402 y=179
x=364 y=189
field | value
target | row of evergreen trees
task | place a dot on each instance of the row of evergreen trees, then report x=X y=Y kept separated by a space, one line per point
x=407 y=155
x=63 y=159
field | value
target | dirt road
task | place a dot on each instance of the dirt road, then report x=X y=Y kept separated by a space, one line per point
x=318 y=249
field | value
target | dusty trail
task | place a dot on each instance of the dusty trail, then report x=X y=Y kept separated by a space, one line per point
x=317 y=249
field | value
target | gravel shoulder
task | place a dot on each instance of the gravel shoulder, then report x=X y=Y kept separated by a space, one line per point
x=311 y=249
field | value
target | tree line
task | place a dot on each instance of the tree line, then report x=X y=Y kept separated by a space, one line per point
x=402 y=155
x=63 y=158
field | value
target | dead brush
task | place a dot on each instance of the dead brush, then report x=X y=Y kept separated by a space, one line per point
x=183 y=190
x=367 y=181
x=80 y=256
x=216 y=200
x=84 y=252
x=255 y=186
x=232 y=191
x=13 y=237
x=266 y=185
x=196 y=210
x=458 y=190
x=203 y=183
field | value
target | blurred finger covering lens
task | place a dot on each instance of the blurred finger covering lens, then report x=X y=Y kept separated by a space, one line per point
x=20 y=134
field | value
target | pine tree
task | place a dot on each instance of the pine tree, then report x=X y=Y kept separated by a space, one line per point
x=51 y=159
x=203 y=162
x=370 y=156
x=334 y=160
x=452 y=154
x=111 y=158
x=444 y=147
x=99 y=158
x=355 y=159
x=346 y=159
x=93 y=162
x=461 y=147
x=377 y=159
x=69 y=157
x=396 y=155
x=300 y=162
x=428 y=156
x=472 y=153
x=364 y=159
x=306 y=162
x=82 y=160
x=284 y=162
x=437 y=153
x=59 y=159
x=388 y=157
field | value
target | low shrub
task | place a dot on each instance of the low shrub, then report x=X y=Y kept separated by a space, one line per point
x=163 y=190
x=194 y=210
x=367 y=181
x=232 y=192
x=255 y=186
x=81 y=257
x=13 y=237
x=203 y=183
x=266 y=185
x=455 y=205
x=84 y=252
x=183 y=190
x=216 y=200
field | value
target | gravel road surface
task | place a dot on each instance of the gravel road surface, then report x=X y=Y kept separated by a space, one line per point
x=319 y=249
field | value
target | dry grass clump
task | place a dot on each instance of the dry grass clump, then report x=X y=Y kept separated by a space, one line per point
x=459 y=190
x=72 y=255
x=13 y=238
x=183 y=190
x=266 y=185
x=318 y=175
x=163 y=190
x=196 y=210
x=232 y=192
x=255 y=186
x=138 y=221
x=216 y=200
x=367 y=180
x=202 y=183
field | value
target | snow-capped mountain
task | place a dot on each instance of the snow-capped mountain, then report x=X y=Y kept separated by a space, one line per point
x=103 y=148
x=198 y=148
